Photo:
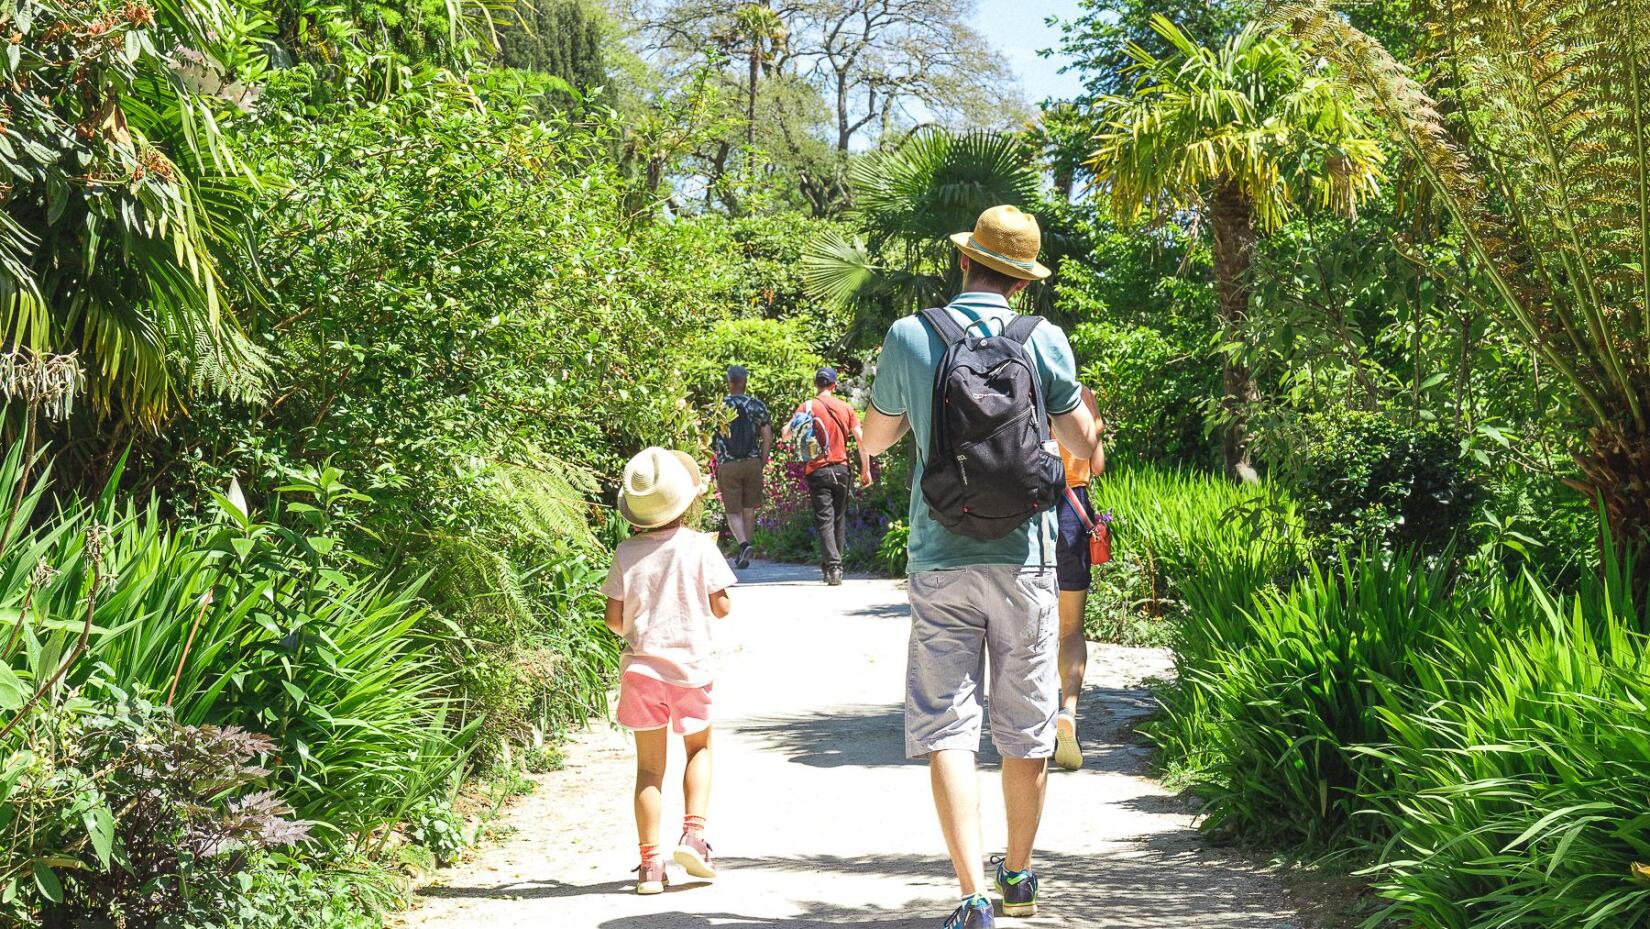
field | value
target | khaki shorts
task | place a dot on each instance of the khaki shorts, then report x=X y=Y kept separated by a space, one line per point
x=740 y=482
x=978 y=632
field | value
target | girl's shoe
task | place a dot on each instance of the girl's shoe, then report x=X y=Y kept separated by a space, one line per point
x=651 y=877
x=1068 y=752
x=693 y=854
x=974 y=913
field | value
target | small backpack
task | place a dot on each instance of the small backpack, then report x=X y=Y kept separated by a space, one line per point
x=991 y=464
x=812 y=441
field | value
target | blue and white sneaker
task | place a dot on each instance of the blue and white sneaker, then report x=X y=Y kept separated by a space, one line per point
x=1019 y=889
x=974 y=913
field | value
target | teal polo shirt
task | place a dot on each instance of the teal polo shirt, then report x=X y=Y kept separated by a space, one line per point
x=905 y=386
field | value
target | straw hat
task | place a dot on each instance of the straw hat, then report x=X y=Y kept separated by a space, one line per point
x=1005 y=240
x=659 y=485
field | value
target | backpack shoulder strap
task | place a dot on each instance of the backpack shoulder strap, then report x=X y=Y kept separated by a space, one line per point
x=1021 y=327
x=943 y=325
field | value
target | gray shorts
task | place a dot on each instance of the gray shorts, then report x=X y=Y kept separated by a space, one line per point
x=960 y=616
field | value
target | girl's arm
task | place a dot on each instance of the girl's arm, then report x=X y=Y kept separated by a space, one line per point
x=720 y=604
x=1097 y=461
x=614 y=616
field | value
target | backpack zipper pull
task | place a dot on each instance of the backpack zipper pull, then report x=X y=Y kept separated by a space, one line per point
x=962 y=468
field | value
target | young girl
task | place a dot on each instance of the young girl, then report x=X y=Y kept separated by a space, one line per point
x=666 y=584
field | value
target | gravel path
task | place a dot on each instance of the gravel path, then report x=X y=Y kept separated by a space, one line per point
x=817 y=819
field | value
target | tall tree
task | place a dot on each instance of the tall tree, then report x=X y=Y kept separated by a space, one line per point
x=558 y=37
x=881 y=63
x=1247 y=134
x=763 y=33
x=1544 y=166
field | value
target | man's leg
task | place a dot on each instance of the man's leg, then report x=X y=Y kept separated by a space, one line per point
x=747 y=519
x=1022 y=637
x=1025 y=782
x=942 y=706
x=736 y=525
x=957 y=800
x=839 y=526
x=823 y=497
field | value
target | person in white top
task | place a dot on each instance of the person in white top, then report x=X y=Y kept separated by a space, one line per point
x=668 y=582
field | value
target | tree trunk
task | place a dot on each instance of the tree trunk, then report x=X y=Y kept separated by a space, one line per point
x=1616 y=472
x=1231 y=218
x=750 y=105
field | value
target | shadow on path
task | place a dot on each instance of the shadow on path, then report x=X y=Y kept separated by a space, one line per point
x=1162 y=883
x=874 y=735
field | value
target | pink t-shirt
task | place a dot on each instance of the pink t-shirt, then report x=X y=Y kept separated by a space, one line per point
x=665 y=579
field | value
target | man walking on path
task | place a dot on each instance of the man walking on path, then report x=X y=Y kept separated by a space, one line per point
x=832 y=421
x=973 y=597
x=744 y=437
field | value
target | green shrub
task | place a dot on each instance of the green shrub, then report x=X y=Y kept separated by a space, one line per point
x=892 y=550
x=265 y=625
x=116 y=814
x=1365 y=479
x=1286 y=708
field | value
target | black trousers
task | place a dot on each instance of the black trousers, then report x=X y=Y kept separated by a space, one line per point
x=828 y=491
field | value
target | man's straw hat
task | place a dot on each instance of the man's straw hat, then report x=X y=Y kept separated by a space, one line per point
x=1006 y=240
x=659 y=485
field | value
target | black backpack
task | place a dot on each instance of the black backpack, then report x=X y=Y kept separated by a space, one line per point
x=741 y=439
x=991 y=465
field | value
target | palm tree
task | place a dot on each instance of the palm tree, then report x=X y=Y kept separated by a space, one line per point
x=907 y=199
x=763 y=32
x=1544 y=167
x=1247 y=134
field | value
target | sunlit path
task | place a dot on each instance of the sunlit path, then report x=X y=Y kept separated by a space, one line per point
x=819 y=821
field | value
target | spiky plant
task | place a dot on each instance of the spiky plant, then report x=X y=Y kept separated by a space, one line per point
x=907 y=199
x=1249 y=134
x=1543 y=163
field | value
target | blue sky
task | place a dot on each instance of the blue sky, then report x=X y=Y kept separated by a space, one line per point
x=1016 y=28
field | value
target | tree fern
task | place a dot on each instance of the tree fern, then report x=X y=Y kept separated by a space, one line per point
x=1542 y=164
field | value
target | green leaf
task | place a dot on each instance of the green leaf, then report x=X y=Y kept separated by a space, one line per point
x=100 y=828
x=13 y=692
x=47 y=881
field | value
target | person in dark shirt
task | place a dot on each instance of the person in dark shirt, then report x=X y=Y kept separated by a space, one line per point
x=744 y=437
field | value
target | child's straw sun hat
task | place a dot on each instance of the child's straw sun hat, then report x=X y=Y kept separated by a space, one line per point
x=659 y=485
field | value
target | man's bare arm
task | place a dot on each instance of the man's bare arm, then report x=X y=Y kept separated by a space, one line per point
x=881 y=431
x=1077 y=431
x=767 y=441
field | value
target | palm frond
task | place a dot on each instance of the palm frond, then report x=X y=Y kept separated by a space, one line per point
x=835 y=268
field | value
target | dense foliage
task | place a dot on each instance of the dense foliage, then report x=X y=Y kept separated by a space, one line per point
x=327 y=327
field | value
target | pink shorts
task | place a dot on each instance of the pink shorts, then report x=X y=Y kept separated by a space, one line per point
x=646 y=702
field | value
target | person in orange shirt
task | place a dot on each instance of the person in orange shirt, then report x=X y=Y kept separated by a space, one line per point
x=1075 y=575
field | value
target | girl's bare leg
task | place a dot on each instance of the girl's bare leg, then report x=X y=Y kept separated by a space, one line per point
x=652 y=746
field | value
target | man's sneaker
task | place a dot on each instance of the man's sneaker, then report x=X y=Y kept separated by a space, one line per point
x=833 y=577
x=650 y=877
x=744 y=560
x=1068 y=752
x=1019 y=889
x=974 y=913
x=693 y=854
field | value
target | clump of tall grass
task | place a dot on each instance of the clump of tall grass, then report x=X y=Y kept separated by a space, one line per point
x=1517 y=762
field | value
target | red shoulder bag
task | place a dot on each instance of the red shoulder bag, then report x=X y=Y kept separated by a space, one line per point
x=1099 y=533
